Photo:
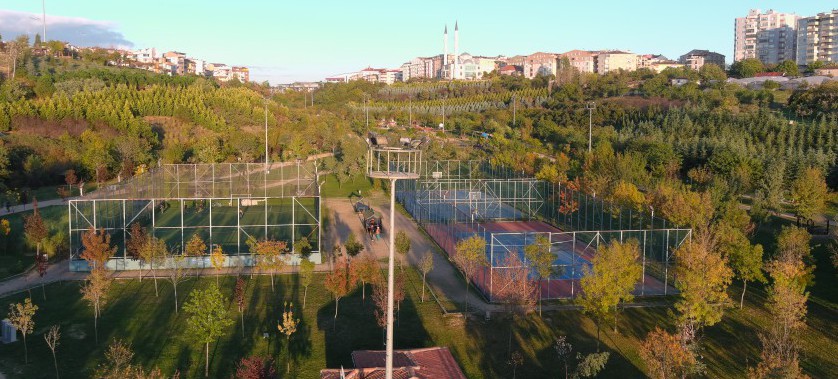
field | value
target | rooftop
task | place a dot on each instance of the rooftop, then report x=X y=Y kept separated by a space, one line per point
x=425 y=363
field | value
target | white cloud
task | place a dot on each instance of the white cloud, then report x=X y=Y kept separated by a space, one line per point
x=75 y=30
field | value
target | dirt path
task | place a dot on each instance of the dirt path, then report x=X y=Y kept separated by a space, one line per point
x=444 y=278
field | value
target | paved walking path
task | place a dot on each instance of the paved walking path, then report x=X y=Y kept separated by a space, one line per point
x=28 y=207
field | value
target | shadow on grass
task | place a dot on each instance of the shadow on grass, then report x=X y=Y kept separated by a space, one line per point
x=356 y=328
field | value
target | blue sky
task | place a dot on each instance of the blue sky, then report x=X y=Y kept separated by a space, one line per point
x=288 y=40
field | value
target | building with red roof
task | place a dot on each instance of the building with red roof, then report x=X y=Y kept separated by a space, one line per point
x=425 y=363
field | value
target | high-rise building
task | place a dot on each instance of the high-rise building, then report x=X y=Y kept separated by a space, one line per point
x=817 y=38
x=770 y=37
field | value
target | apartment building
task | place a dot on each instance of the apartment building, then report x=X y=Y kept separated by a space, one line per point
x=770 y=37
x=540 y=64
x=697 y=58
x=606 y=61
x=817 y=38
x=240 y=73
x=580 y=59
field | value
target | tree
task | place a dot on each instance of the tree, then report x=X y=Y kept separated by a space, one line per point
x=368 y=272
x=747 y=68
x=402 y=242
x=788 y=68
x=270 y=257
x=710 y=72
x=5 y=230
x=563 y=350
x=255 y=368
x=288 y=326
x=95 y=292
x=540 y=259
x=217 y=259
x=177 y=272
x=153 y=253
x=426 y=266
x=34 y=228
x=22 y=318
x=703 y=277
x=667 y=355
x=469 y=257
x=208 y=318
x=379 y=298
x=195 y=247
x=136 y=241
x=340 y=282
x=809 y=193
x=615 y=272
x=515 y=359
x=51 y=339
x=239 y=296
x=117 y=364
x=303 y=247
x=97 y=248
x=787 y=303
x=306 y=277
x=626 y=195
x=746 y=262
x=352 y=246
x=591 y=364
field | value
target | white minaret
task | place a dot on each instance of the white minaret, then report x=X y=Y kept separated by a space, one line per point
x=456 y=72
x=444 y=52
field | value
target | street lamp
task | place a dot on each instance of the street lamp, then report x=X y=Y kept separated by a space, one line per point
x=590 y=107
x=267 y=167
x=393 y=163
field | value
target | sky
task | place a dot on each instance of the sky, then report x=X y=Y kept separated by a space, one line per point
x=287 y=40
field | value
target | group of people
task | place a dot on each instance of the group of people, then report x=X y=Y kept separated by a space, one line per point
x=374 y=228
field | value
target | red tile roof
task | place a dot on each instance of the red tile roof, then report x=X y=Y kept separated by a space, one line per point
x=426 y=363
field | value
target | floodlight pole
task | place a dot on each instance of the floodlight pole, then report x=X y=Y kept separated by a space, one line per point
x=267 y=167
x=390 y=281
x=590 y=107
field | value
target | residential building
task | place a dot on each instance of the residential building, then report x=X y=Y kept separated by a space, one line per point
x=419 y=68
x=697 y=58
x=580 y=59
x=220 y=71
x=473 y=68
x=817 y=38
x=195 y=66
x=148 y=55
x=647 y=60
x=424 y=363
x=178 y=61
x=611 y=60
x=240 y=73
x=827 y=71
x=540 y=63
x=770 y=37
x=659 y=66
x=511 y=70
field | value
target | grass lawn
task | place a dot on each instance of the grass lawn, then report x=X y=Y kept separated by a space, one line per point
x=15 y=256
x=356 y=183
x=481 y=347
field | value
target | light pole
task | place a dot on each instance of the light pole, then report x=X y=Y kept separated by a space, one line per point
x=590 y=107
x=267 y=167
x=514 y=110
x=366 y=111
x=384 y=162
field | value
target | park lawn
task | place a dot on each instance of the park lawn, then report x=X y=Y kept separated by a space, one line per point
x=358 y=183
x=481 y=347
x=15 y=255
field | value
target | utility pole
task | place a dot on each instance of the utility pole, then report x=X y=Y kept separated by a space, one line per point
x=267 y=167
x=366 y=111
x=410 y=112
x=514 y=109
x=388 y=359
x=443 y=114
x=590 y=107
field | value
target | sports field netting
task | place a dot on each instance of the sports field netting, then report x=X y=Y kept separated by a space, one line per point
x=226 y=205
x=455 y=201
